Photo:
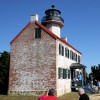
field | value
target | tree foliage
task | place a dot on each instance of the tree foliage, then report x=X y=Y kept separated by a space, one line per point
x=96 y=72
x=4 y=71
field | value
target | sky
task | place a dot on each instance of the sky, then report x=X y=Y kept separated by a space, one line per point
x=81 y=23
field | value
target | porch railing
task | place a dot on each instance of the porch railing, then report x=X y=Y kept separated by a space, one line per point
x=76 y=84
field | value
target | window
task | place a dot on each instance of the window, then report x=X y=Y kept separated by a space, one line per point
x=56 y=13
x=37 y=33
x=63 y=73
x=67 y=52
x=51 y=13
x=76 y=57
x=73 y=55
x=61 y=50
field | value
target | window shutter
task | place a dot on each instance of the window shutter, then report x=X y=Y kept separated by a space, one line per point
x=78 y=59
x=68 y=53
x=68 y=74
x=59 y=73
x=65 y=52
x=62 y=50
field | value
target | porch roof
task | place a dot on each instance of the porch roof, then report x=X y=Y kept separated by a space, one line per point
x=77 y=66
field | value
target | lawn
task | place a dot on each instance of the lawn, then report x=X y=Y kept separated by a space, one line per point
x=67 y=96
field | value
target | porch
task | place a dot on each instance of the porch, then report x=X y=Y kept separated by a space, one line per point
x=77 y=70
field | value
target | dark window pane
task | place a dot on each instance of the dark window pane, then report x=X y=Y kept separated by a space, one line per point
x=37 y=32
x=64 y=74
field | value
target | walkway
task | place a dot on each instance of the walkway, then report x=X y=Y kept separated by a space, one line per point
x=88 y=90
x=92 y=95
x=95 y=97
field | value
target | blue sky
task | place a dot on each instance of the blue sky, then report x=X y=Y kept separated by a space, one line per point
x=81 y=23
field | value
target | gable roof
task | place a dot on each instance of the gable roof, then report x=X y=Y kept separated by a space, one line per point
x=49 y=32
x=55 y=36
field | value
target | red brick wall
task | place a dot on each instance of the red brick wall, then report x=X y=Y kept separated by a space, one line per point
x=33 y=62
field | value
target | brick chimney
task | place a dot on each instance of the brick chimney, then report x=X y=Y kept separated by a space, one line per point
x=65 y=38
x=34 y=17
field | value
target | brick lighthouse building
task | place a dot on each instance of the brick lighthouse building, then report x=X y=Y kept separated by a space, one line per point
x=40 y=59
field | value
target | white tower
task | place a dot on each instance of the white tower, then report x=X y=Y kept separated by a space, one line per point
x=53 y=21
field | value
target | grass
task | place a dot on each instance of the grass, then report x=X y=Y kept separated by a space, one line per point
x=3 y=97
x=67 y=96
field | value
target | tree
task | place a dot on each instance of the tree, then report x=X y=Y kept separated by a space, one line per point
x=4 y=71
x=95 y=72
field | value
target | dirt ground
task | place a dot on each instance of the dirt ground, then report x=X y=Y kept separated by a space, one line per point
x=95 y=97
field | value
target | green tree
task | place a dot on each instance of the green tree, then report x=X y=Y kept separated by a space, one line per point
x=95 y=71
x=4 y=71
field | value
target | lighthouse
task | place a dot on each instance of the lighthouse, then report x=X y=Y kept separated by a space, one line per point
x=53 y=20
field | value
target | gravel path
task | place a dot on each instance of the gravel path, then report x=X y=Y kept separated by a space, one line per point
x=95 y=97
